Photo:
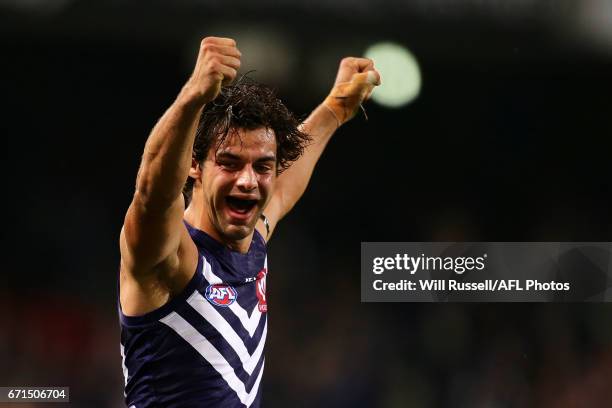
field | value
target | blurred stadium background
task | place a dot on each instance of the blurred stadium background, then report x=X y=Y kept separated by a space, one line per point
x=508 y=140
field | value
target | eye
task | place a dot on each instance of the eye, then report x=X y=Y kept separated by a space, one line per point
x=229 y=165
x=263 y=168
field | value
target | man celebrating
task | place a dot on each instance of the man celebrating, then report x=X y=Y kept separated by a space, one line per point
x=193 y=271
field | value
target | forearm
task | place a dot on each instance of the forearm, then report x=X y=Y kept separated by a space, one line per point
x=320 y=125
x=151 y=237
x=167 y=155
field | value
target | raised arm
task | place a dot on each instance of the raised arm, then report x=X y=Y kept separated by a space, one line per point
x=354 y=83
x=153 y=228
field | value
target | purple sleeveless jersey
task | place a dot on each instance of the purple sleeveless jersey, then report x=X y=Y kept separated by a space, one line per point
x=204 y=348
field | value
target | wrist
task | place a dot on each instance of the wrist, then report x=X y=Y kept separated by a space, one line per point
x=337 y=110
x=331 y=113
x=190 y=97
x=341 y=106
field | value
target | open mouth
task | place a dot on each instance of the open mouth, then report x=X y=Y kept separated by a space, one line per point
x=239 y=205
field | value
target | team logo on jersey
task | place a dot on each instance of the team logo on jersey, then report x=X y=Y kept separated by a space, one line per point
x=260 y=290
x=221 y=295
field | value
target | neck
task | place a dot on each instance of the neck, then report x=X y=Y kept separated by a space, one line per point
x=198 y=215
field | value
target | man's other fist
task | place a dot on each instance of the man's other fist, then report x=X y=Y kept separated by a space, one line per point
x=355 y=81
x=217 y=64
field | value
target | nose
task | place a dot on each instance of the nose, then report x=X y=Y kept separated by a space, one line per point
x=247 y=179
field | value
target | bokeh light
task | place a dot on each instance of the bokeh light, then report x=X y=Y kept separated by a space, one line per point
x=401 y=76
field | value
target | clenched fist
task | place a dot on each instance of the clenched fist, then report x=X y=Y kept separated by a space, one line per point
x=217 y=64
x=355 y=81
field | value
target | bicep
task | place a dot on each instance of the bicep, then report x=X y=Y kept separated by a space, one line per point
x=149 y=235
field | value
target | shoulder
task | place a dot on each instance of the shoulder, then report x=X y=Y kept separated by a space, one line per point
x=142 y=291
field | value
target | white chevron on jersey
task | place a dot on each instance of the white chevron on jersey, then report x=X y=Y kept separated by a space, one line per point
x=213 y=356
x=249 y=323
x=125 y=370
x=212 y=316
x=208 y=273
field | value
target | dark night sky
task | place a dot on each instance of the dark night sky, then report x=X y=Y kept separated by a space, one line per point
x=509 y=141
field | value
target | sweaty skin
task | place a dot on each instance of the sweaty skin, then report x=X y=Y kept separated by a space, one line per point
x=158 y=257
x=243 y=167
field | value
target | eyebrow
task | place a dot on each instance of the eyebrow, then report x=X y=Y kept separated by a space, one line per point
x=232 y=156
x=226 y=155
x=270 y=157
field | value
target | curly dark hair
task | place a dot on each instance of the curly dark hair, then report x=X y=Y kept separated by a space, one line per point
x=248 y=105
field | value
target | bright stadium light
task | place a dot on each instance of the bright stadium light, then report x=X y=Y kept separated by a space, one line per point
x=401 y=76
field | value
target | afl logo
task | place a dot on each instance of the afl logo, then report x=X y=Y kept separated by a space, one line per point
x=221 y=295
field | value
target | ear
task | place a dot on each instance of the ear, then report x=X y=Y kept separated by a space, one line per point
x=195 y=171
